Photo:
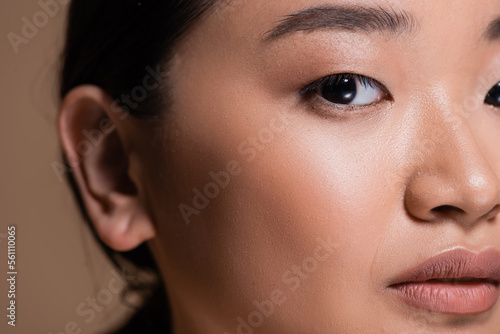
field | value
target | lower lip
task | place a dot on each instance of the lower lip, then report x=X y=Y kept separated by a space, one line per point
x=458 y=299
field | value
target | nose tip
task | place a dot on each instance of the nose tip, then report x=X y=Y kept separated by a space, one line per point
x=466 y=201
x=453 y=167
x=458 y=185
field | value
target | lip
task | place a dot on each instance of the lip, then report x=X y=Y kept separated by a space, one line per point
x=458 y=282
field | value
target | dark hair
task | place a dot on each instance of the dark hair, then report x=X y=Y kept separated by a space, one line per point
x=111 y=43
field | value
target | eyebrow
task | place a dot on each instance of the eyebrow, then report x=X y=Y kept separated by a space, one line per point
x=345 y=18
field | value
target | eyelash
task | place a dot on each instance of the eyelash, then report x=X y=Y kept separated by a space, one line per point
x=314 y=90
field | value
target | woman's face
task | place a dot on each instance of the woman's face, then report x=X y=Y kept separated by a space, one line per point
x=284 y=203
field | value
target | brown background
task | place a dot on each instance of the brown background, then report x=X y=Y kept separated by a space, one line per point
x=59 y=265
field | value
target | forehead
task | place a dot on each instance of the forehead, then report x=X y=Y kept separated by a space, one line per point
x=446 y=35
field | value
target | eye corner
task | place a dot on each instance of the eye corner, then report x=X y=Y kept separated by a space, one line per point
x=493 y=96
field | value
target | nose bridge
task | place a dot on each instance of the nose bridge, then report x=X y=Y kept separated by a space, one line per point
x=450 y=146
x=453 y=178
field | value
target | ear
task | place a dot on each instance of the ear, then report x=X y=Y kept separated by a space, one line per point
x=92 y=131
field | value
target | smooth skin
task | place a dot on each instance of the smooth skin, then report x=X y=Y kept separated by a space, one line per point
x=326 y=204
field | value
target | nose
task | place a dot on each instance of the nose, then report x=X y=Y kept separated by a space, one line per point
x=453 y=180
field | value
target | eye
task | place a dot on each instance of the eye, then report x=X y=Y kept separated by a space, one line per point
x=348 y=89
x=493 y=97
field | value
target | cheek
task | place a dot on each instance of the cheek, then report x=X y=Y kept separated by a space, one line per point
x=261 y=189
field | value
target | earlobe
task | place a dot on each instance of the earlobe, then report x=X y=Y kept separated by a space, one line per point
x=93 y=135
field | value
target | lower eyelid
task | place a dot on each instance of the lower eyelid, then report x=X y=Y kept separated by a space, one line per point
x=322 y=107
x=337 y=106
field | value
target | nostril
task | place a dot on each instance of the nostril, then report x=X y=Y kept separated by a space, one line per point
x=490 y=216
x=447 y=210
x=453 y=211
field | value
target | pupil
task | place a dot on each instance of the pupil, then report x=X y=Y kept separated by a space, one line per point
x=493 y=96
x=342 y=91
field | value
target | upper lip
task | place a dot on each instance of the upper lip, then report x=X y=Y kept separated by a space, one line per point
x=455 y=264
